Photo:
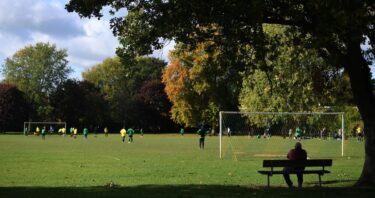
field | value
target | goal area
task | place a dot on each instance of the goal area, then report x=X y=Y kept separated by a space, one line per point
x=51 y=127
x=269 y=133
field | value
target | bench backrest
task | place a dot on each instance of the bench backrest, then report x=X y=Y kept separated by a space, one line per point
x=298 y=163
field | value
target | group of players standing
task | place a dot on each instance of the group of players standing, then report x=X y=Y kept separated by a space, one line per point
x=61 y=131
x=123 y=132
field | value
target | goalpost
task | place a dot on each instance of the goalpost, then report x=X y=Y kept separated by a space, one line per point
x=296 y=125
x=29 y=126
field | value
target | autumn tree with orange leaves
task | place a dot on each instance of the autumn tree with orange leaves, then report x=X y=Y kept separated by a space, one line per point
x=198 y=86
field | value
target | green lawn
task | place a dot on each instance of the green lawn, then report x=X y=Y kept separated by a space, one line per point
x=164 y=164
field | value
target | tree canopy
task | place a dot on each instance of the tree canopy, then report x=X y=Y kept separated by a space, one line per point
x=80 y=104
x=37 y=70
x=127 y=87
x=199 y=85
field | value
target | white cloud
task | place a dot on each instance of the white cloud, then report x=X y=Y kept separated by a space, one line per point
x=26 y=22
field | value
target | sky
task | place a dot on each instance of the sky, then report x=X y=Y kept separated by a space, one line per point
x=88 y=41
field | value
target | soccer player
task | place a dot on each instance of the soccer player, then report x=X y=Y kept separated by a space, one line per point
x=323 y=133
x=51 y=130
x=130 y=134
x=202 y=133
x=359 y=133
x=290 y=132
x=106 y=131
x=25 y=131
x=37 y=130
x=141 y=131
x=44 y=133
x=71 y=131
x=85 y=132
x=295 y=154
x=96 y=128
x=75 y=133
x=63 y=131
x=123 y=134
x=182 y=131
x=298 y=134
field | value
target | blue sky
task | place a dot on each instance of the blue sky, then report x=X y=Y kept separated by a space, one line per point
x=88 y=41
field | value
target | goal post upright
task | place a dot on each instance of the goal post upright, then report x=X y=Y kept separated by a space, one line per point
x=342 y=134
x=341 y=115
x=220 y=131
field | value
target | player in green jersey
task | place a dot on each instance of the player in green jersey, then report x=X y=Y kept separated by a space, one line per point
x=130 y=134
x=85 y=132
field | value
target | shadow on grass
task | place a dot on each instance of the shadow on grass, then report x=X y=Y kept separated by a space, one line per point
x=185 y=191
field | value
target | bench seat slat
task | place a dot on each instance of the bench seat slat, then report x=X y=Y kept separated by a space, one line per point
x=320 y=172
x=309 y=163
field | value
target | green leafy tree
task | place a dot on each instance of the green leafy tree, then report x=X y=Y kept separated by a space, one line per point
x=37 y=70
x=108 y=76
x=298 y=78
x=121 y=81
x=337 y=30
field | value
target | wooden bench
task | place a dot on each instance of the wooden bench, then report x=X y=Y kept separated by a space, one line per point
x=272 y=164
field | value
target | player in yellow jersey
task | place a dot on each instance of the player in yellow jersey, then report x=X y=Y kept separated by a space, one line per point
x=123 y=134
x=37 y=130
x=106 y=131
x=75 y=131
x=359 y=133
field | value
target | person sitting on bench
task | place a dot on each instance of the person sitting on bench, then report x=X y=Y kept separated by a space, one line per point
x=295 y=154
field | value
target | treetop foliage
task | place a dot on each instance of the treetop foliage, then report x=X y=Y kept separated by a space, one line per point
x=37 y=70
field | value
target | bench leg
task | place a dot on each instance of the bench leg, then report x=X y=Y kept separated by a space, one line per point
x=268 y=181
x=320 y=180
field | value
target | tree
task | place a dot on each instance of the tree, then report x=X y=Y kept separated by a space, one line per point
x=337 y=30
x=199 y=85
x=121 y=82
x=79 y=104
x=153 y=107
x=299 y=78
x=37 y=70
x=108 y=76
x=14 y=108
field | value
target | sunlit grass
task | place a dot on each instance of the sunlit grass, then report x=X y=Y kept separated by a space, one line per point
x=29 y=161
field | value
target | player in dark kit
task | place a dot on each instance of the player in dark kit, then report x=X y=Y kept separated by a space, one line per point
x=202 y=133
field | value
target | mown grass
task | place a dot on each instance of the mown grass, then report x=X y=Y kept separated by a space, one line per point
x=165 y=165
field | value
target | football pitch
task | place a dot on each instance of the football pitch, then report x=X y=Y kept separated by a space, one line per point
x=162 y=165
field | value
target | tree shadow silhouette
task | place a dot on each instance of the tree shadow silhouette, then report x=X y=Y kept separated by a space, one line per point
x=166 y=191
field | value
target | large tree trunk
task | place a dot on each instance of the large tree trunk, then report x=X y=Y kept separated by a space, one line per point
x=360 y=79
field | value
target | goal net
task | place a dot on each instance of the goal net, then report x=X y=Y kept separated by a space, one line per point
x=50 y=127
x=272 y=134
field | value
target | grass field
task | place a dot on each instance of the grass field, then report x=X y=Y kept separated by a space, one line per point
x=165 y=166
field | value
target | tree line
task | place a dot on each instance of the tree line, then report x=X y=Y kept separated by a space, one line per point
x=112 y=94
